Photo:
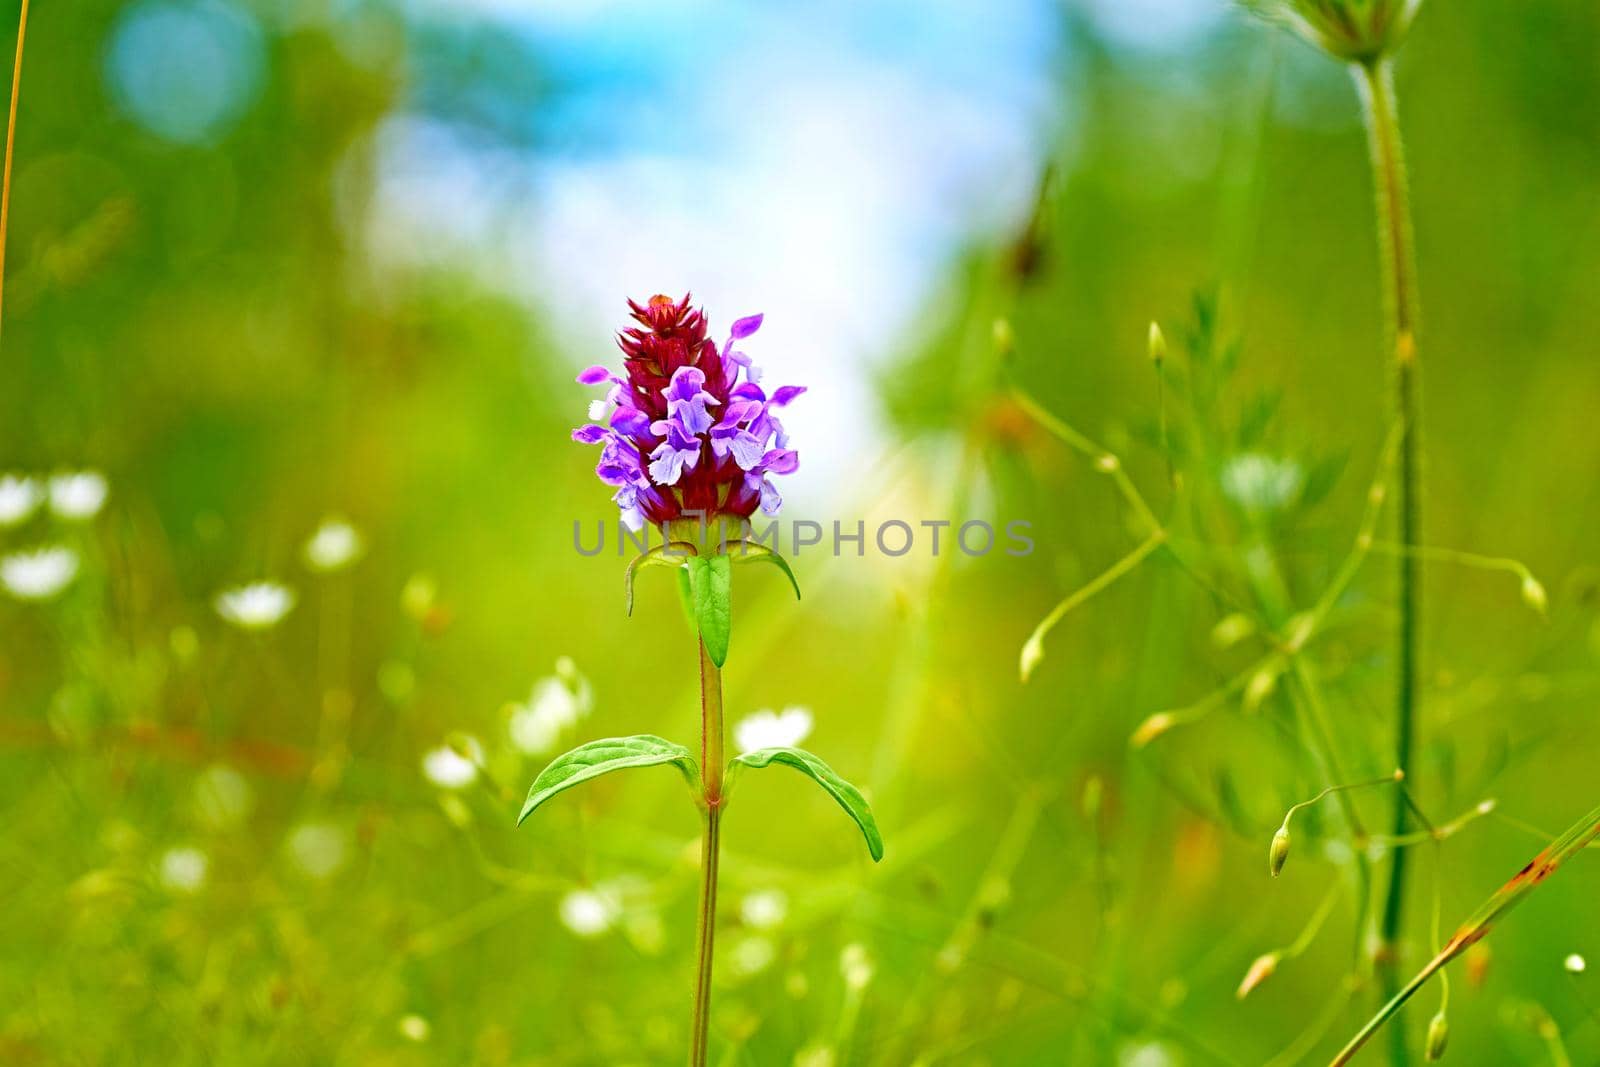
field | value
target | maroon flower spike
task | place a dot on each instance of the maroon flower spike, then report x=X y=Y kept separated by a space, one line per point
x=684 y=437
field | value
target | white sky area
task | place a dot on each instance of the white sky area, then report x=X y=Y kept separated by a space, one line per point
x=819 y=161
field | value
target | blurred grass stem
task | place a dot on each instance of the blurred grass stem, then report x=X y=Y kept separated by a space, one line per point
x=1375 y=82
x=11 y=140
x=1478 y=926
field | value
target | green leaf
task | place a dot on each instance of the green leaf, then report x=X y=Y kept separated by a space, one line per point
x=711 y=589
x=848 y=796
x=602 y=757
x=686 y=598
x=751 y=552
x=659 y=556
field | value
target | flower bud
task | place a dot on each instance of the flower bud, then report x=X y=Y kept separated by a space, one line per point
x=1438 y=1037
x=1263 y=968
x=1279 y=852
x=1534 y=596
x=1157 y=345
x=1260 y=687
x=1357 y=31
x=1004 y=337
x=1152 y=728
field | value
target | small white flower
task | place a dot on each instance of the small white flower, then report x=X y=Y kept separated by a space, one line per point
x=19 y=496
x=764 y=909
x=1575 y=964
x=414 y=1028
x=223 y=798
x=319 y=850
x=555 y=705
x=39 y=573
x=257 y=606
x=335 y=545
x=1258 y=482
x=856 y=966
x=77 y=496
x=1142 y=1053
x=183 y=870
x=450 y=768
x=766 y=729
x=815 y=1056
x=590 y=912
x=752 y=955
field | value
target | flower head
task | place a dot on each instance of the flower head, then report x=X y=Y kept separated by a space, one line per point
x=19 y=496
x=556 y=704
x=454 y=765
x=1357 y=31
x=38 y=574
x=258 y=606
x=687 y=429
x=336 y=544
x=77 y=496
x=767 y=729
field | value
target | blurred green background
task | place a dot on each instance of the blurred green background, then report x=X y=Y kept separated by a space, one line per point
x=332 y=264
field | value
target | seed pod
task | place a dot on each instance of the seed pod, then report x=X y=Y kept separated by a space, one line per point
x=1534 y=596
x=1157 y=345
x=1263 y=968
x=1279 y=852
x=1003 y=336
x=1438 y=1037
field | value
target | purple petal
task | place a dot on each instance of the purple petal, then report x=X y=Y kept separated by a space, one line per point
x=630 y=421
x=781 y=461
x=748 y=391
x=785 y=394
x=740 y=410
x=686 y=382
x=590 y=434
x=770 y=500
x=745 y=327
x=748 y=450
x=594 y=375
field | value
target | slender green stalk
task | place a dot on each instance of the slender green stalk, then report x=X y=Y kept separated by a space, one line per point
x=711 y=762
x=11 y=140
x=1481 y=922
x=1375 y=81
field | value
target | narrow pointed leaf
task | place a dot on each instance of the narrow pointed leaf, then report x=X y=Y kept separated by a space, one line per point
x=656 y=557
x=711 y=591
x=750 y=552
x=686 y=598
x=602 y=757
x=848 y=796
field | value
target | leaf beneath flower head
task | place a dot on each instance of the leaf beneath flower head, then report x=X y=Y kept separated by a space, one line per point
x=754 y=552
x=602 y=757
x=659 y=556
x=848 y=796
x=711 y=591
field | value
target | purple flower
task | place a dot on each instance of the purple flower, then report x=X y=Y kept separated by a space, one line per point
x=687 y=427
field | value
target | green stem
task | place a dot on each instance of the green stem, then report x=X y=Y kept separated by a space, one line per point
x=11 y=140
x=711 y=762
x=1375 y=80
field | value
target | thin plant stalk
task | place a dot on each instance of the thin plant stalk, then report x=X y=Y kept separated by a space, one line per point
x=711 y=794
x=1481 y=922
x=1375 y=81
x=11 y=140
